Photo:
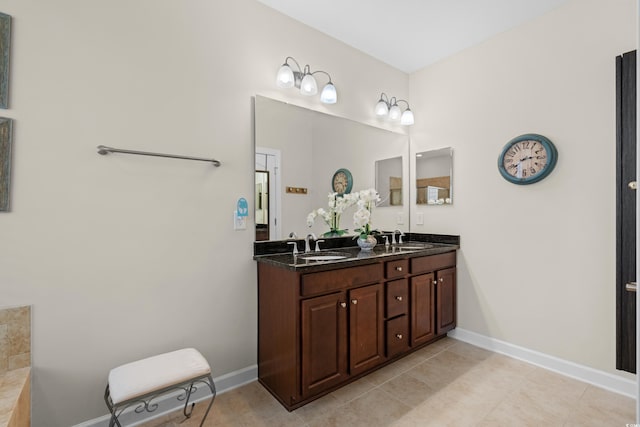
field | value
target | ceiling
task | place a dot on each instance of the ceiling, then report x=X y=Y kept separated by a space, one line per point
x=412 y=34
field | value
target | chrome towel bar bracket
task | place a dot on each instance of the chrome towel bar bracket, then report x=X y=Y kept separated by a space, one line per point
x=102 y=149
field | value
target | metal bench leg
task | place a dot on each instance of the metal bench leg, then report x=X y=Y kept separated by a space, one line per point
x=212 y=387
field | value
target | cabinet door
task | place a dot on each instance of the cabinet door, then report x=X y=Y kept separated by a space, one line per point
x=422 y=309
x=446 y=296
x=324 y=342
x=366 y=327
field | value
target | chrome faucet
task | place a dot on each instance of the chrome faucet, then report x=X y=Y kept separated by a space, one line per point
x=400 y=234
x=295 y=247
x=318 y=244
x=307 y=245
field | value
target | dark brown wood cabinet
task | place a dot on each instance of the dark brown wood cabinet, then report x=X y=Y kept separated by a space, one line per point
x=320 y=330
x=423 y=314
x=324 y=343
x=446 y=300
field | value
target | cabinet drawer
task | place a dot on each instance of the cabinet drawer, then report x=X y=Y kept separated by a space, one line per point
x=397 y=296
x=431 y=263
x=397 y=335
x=333 y=280
x=398 y=268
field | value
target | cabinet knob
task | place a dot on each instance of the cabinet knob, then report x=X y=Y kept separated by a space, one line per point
x=343 y=304
x=441 y=279
x=399 y=298
x=435 y=282
x=354 y=301
x=399 y=336
x=398 y=268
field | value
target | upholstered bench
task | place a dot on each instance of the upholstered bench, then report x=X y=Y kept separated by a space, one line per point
x=139 y=383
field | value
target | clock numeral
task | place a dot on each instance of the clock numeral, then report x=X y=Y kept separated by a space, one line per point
x=524 y=173
x=533 y=171
x=515 y=149
x=508 y=160
x=526 y=144
x=541 y=157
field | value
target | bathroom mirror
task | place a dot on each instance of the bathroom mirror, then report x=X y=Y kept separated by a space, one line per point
x=389 y=181
x=305 y=148
x=434 y=170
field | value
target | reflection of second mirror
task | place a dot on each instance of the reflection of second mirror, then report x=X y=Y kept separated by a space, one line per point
x=434 y=170
x=389 y=181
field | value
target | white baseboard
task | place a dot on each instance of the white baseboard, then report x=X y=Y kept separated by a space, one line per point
x=601 y=379
x=168 y=402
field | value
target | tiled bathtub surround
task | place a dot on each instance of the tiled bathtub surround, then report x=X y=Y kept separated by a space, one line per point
x=15 y=338
x=15 y=362
x=15 y=398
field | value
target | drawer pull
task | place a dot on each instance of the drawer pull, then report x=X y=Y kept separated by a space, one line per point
x=399 y=336
x=399 y=298
x=631 y=286
x=354 y=301
x=343 y=304
x=398 y=268
x=441 y=279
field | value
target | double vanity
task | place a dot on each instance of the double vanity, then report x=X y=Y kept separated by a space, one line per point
x=327 y=318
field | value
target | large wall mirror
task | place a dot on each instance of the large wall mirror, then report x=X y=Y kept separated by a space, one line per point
x=434 y=170
x=301 y=150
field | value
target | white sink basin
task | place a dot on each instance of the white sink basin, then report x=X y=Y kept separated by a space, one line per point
x=412 y=247
x=322 y=257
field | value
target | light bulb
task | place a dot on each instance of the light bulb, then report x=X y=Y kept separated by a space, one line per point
x=395 y=112
x=407 y=117
x=381 y=108
x=284 y=78
x=329 y=94
x=308 y=86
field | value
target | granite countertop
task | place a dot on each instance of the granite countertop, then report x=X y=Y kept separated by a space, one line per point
x=354 y=256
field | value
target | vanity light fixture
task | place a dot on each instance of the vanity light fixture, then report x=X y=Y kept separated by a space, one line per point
x=390 y=108
x=304 y=80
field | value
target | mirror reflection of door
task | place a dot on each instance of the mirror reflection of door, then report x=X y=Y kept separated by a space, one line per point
x=267 y=193
x=262 y=205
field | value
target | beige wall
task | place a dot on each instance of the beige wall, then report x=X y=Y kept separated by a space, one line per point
x=124 y=256
x=537 y=265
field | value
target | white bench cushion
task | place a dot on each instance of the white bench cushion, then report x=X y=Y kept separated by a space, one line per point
x=155 y=373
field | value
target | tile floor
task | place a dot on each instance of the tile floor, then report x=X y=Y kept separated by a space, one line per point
x=449 y=383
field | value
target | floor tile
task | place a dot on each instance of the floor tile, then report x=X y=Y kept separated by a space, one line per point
x=448 y=383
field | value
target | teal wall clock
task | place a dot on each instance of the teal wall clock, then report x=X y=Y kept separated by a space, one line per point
x=342 y=181
x=527 y=159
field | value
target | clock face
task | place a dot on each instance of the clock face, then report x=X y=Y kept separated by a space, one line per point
x=342 y=181
x=527 y=159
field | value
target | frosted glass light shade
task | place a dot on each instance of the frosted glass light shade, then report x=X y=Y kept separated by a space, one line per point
x=285 y=78
x=308 y=86
x=381 y=108
x=329 y=94
x=407 y=117
x=395 y=112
